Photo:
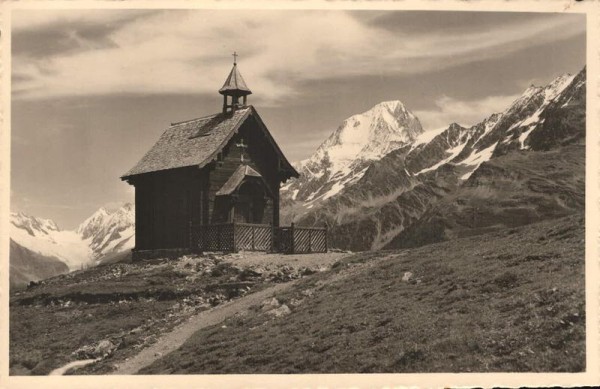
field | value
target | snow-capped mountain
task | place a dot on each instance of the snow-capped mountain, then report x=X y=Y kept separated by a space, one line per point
x=105 y=232
x=369 y=198
x=468 y=148
x=44 y=237
x=366 y=136
x=342 y=158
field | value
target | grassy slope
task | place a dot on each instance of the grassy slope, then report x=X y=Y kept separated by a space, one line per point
x=127 y=304
x=131 y=304
x=511 y=300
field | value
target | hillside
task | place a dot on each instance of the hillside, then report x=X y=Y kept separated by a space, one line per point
x=113 y=311
x=512 y=190
x=26 y=266
x=512 y=300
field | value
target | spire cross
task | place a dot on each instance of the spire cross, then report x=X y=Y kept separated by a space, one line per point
x=235 y=55
x=243 y=147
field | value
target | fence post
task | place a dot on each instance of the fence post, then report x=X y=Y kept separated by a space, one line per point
x=233 y=237
x=201 y=237
x=219 y=238
x=292 y=239
x=252 y=228
x=272 y=248
x=310 y=241
x=326 y=238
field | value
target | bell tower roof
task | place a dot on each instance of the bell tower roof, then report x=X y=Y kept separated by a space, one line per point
x=234 y=84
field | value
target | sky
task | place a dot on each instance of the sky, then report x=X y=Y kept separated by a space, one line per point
x=92 y=90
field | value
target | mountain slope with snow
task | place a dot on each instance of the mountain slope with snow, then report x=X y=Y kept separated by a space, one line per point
x=342 y=158
x=45 y=238
x=106 y=232
x=38 y=242
x=367 y=201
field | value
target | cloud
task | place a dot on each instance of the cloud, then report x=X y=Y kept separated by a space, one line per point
x=37 y=20
x=449 y=110
x=181 y=51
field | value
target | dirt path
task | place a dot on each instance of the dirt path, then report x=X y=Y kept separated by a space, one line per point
x=174 y=339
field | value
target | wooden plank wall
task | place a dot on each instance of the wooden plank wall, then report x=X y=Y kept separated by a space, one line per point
x=166 y=203
x=259 y=155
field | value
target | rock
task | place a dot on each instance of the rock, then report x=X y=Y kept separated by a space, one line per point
x=269 y=304
x=101 y=350
x=32 y=284
x=306 y=271
x=84 y=352
x=104 y=348
x=281 y=311
x=407 y=276
x=247 y=274
x=308 y=292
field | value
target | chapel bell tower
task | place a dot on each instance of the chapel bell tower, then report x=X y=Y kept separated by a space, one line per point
x=234 y=88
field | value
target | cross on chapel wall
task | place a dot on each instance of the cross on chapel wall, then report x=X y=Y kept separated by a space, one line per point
x=242 y=146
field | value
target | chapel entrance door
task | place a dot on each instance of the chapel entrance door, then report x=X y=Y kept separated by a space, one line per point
x=250 y=204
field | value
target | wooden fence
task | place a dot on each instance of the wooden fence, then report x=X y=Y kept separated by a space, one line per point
x=299 y=240
x=232 y=237
x=253 y=237
x=213 y=237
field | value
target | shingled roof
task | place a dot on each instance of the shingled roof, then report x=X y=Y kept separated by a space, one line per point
x=197 y=142
x=237 y=178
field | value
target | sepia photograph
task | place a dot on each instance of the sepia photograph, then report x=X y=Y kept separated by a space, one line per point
x=226 y=191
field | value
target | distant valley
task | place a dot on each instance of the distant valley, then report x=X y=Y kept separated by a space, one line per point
x=40 y=249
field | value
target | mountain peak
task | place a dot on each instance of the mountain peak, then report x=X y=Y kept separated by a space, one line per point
x=390 y=104
x=368 y=135
x=32 y=224
x=104 y=216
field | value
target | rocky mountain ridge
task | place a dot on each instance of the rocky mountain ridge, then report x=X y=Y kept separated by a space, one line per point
x=342 y=158
x=379 y=198
x=39 y=248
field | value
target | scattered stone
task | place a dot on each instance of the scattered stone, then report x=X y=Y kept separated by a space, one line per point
x=281 y=311
x=407 y=276
x=306 y=271
x=270 y=304
x=247 y=274
x=308 y=292
x=104 y=348
x=100 y=350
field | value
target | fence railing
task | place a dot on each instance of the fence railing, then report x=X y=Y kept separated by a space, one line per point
x=253 y=237
x=295 y=239
x=233 y=237
x=213 y=237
